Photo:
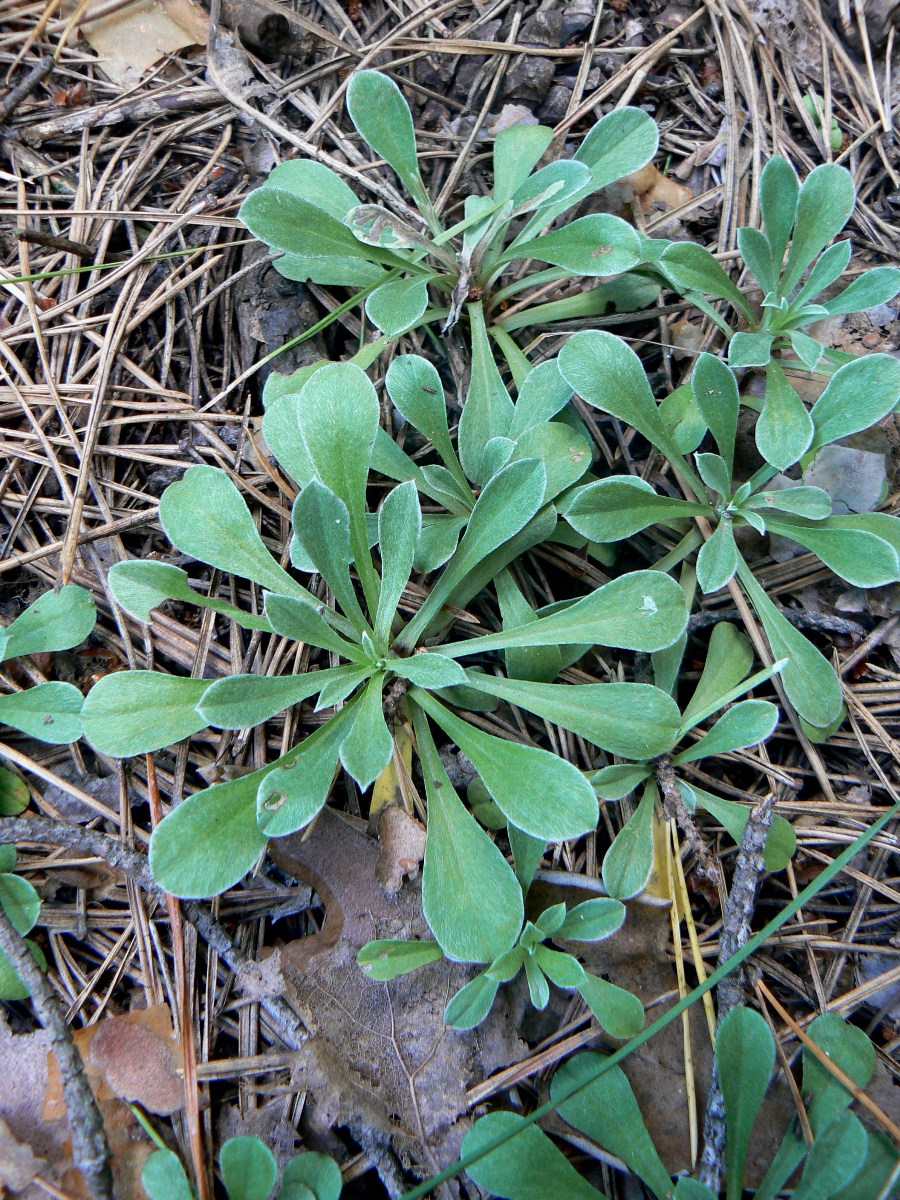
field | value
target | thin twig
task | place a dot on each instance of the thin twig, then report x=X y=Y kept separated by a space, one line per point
x=90 y=1150
x=23 y=90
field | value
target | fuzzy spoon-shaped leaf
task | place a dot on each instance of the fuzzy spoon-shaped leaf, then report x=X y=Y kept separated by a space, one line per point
x=322 y=527
x=387 y=958
x=633 y=720
x=366 y=750
x=517 y=150
x=629 y=860
x=823 y=208
x=527 y=1167
x=745 y=1054
x=396 y=305
x=716 y=395
x=488 y=410
x=607 y=373
x=55 y=621
x=164 y=1177
x=600 y=244
x=746 y=724
x=644 y=610
x=337 y=412
x=221 y=819
x=382 y=118
x=858 y=395
x=290 y=796
x=136 y=712
x=319 y=1173
x=784 y=429
x=539 y=792
x=618 y=1011
x=834 y=1159
x=612 y=509
x=607 y=1112
x=49 y=712
x=728 y=662
x=417 y=393
x=244 y=701
x=140 y=586
x=204 y=515
x=778 y=190
x=399 y=529
x=462 y=866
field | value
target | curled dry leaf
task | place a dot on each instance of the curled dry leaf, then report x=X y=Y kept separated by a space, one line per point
x=379 y=1054
x=130 y=41
x=402 y=841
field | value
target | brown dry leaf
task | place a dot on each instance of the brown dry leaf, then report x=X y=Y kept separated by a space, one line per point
x=130 y=41
x=379 y=1054
x=23 y=1057
x=18 y=1165
x=138 y=1057
x=402 y=841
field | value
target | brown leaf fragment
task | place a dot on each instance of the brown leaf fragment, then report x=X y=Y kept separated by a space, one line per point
x=402 y=841
x=18 y=1164
x=138 y=1058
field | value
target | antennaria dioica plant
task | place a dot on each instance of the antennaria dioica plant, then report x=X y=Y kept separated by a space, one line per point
x=420 y=274
x=49 y=712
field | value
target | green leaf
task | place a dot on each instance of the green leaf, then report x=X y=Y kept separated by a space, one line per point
x=417 y=393
x=527 y=1167
x=633 y=720
x=689 y=1189
x=556 y=183
x=850 y=1050
x=874 y=287
x=366 y=750
x=561 y=969
x=691 y=268
x=245 y=701
x=830 y=265
x=607 y=373
x=834 y=1159
x=204 y=515
x=858 y=395
x=383 y=120
x=322 y=528
x=374 y=225
x=220 y=819
x=399 y=528
x=600 y=244
x=506 y=504
x=824 y=205
x=429 y=670
x=745 y=724
x=538 y=987
x=346 y=679
x=619 y=144
x=22 y=904
x=304 y=622
x=540 y=793
x=55 y=621
x=757 y=254
x=14 y=798
x=527 y=854
x=606 y=1111
x=488 y=410
x=732 y=816
x=517 y=150
x=718 y=558
x=437 y=542
x=139 y=586
x=462 y=866
x=814 y=503
x=542 y=395
x=880 y=1166
x=716 y=395
x=728 y=661
x=809 y=680
x=750 y=349
x=682 y=420
x=644 y=610
x=714 y=473
x=315 y=183
x=137 y=712
x=564 y=453
x=745 y=1055
x=610 y=510
x=164 y=1177
x=472 y=1003
x=50 y=712
x=619 y=1012
x=290 y=795
x=338 y=413
x=318 y=1172
x=784 y=429
x=319 y=246
x=11 y=986
x=397 y=305
x=249 y=1169
x=778 y=191
x=592 y=921
x=862 y=558
x=807 y=349
x=629 y=860
x=390 y=957
x=541 y=664
x=612 y=783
